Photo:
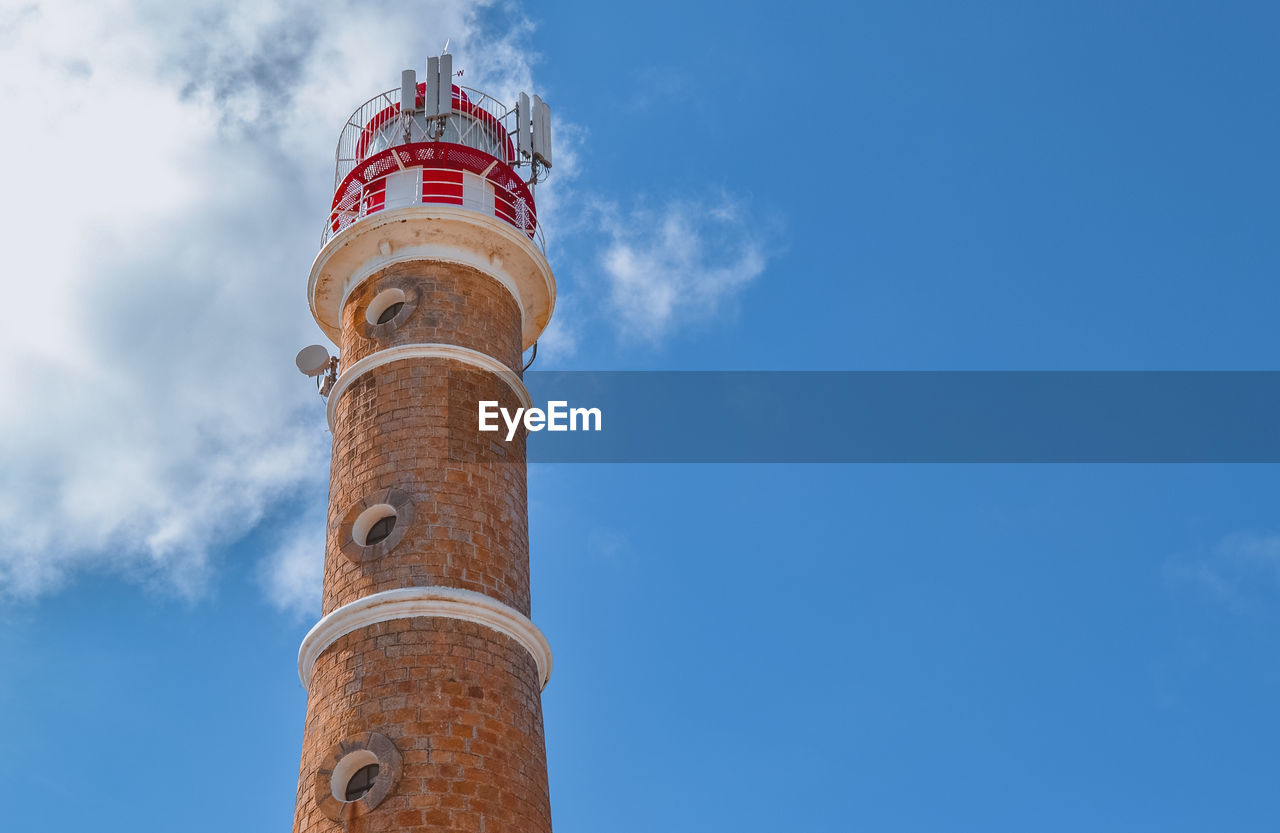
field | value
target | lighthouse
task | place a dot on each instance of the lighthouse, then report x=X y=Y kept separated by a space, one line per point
x=425 y=671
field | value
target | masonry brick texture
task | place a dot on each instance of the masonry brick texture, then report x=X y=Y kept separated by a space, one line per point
x=455 y=305
x=392 y=431
x=461 y=702
x=470 y=526
x=462 y=705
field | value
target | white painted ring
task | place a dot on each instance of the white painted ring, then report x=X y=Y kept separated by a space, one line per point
x=410 y=602
x=426 y=351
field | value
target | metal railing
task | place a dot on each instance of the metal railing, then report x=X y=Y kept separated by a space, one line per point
x=428 y=185
x=478 y=121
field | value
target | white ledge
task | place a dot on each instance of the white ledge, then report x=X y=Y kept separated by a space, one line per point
x=432 y=232
x=425 y=351
x=411 y=602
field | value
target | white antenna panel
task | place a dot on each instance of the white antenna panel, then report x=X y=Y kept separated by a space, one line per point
x=541 y=131
x=433 y=87
x=523 y=127
x=446 y=84
x=408 y=91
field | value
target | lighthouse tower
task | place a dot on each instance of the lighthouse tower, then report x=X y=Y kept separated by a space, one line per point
x=424 y=674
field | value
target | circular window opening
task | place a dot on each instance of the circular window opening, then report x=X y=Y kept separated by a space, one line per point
x=361 y=782
x=354 y=775
x=380 y=530
x=391 y=312
x=385 y=306
x=374 y=524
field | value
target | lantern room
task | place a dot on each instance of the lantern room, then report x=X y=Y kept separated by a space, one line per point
x=436 y=170
x=435 y=142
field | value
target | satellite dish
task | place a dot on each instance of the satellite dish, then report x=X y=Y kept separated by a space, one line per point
x=313 y=360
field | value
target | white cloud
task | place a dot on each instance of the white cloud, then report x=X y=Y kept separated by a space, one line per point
x=168 y=167
x=559 y=341
x=167 y=178
x=680 y=263
x=292 y=574
x=1241 y=571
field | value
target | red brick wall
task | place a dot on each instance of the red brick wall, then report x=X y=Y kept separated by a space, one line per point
x=470 y=527
x=460 y=701
x=455 y=305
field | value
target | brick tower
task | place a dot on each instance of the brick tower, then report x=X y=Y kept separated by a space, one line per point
x=424 y=674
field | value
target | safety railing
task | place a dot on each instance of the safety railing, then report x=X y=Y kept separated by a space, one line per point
x=478 y=121
x=427 y=185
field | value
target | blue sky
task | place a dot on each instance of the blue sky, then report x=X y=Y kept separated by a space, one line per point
x=739 y=186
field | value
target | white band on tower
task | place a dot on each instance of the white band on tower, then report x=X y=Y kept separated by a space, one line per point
x=426 y=351
x=411 y=602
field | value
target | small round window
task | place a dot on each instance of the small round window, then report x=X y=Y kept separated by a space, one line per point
x=391 y=312
x=361 y=782
x=374 y=525
x=380 y=530
x=355 y=775
x=385 y=306
x=365 y=771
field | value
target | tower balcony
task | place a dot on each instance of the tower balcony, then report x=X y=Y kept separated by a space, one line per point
x=389 y=159
x=437 y=183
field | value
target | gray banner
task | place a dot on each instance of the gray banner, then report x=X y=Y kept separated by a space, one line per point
x=893 y=417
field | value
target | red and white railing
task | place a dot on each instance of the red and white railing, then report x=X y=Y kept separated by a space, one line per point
x=434 y=173
x=478 y=121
